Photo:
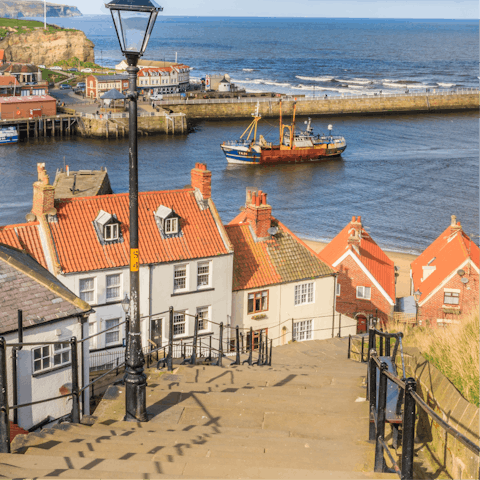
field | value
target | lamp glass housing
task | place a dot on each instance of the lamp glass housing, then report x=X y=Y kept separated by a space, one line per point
x=126 y=304
x=134 y=21
x=417 y=295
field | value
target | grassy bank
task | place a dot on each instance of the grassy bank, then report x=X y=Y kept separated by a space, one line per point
x=16 y=26
x=454 y=350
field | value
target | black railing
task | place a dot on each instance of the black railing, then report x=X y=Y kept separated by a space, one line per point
x=387 y=393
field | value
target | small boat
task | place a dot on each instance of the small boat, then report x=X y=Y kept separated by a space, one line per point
x=293 y=147
x=8 y=135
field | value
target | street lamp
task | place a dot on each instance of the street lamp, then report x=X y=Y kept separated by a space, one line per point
x=134 y=21
x=417 y=296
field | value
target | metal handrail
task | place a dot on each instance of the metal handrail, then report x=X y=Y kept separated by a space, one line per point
x=14 y=407
x=101 y=376
x=103 y=331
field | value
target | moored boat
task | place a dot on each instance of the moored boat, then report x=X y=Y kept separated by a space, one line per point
x=293 y=146
x=8 y=135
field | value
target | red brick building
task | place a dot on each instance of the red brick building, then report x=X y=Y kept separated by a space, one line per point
x=97 y=85
x=27 y=107
x=446 y=274
x=366 y=276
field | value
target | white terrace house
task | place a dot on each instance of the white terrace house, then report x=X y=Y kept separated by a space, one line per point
x=186 y=259
x=279 y=283
x=173 y=79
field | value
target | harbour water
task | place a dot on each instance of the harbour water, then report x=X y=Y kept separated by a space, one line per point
x=404 y=174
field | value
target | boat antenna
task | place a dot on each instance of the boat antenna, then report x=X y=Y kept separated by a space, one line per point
x=292 y=131
x=330 y=128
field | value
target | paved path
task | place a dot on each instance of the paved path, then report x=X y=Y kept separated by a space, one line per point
x=304 y=417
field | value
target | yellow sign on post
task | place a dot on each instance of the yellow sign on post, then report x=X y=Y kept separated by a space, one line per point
x=134 y=260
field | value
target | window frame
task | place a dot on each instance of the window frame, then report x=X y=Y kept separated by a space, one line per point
x=119 y=286
x=201 y=321
x=363 y=297
x=92 y=330
x=184 y=322
x=175 y=269
x=261 y=295
x=200 y=265
x=300 y=328
x=170 y=226
x=117 y=330
x=338 y=289
x=65 y=348
x=93 y=290
x=306 y=294
x=114 y=228
x=453 y=295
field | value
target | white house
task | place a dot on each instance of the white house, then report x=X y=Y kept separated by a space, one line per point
x=172 y=79
x=51 y=313
x=186 y=259
x=279 y=283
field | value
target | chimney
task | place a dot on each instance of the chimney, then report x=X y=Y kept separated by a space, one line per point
x=454 y=225
x=259 y=213
x=355 y=233
x=43 y=192
x=202 y=179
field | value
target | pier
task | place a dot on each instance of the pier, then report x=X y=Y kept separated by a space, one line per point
x=46 y=126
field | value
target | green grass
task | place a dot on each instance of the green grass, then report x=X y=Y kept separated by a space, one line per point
x=25 y=26
x=75 y=62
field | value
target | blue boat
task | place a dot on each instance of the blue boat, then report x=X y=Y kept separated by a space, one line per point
x=8 y=135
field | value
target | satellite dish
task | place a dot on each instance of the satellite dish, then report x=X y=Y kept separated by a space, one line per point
x=461 y=272
x=464 y=280
x=52 y=211
x=272 y=230
x=30 y=217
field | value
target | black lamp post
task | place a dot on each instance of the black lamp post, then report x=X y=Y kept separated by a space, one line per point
x=417 y=296
x=134 y=21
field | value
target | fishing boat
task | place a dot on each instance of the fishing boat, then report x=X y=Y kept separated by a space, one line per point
x=293 y=146
x=8 y=135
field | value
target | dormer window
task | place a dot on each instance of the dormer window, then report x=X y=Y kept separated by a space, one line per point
x=107 y=227
x=168 y=222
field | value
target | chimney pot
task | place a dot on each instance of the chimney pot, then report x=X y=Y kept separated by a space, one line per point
x=453 y=220
x=202 y=179
x=353 y=219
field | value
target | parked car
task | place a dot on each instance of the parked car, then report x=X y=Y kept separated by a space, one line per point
x=81 y=84
x=64 y=86
x=86 y=70
x=72 y=69
x=56 y=68
x=42 y=66
x=156 y=96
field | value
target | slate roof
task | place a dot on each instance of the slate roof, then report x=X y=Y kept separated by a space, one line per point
x=24 y=236
x=450 y=250
x=26 y=285
x=371 y=255
x=113 y=94
x=282 y=259
x=79 y=249
x=111 y=78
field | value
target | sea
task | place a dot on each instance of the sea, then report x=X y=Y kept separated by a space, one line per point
x=403 y=174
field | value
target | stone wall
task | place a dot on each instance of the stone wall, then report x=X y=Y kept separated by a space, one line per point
x=440 y=394
x=337 y=106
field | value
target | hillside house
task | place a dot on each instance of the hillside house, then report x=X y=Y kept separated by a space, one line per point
x=279 y=284
x=51 y=312
x=366 y=276
x=446 y=274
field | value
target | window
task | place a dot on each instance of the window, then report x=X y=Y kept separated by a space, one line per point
x=202 y=313
x=338 y=289
x=304 y=293
x=180 y=278
x=203 y=275
x=171 y=225
x=303 y=330
x=112 y=336
x=451 y=298
x=50 y=356
x=110 y=232
x=178 y=323
x=87 y=289
x=364 y=292
x=92 y=330
x=258 y=301
x=113 y=286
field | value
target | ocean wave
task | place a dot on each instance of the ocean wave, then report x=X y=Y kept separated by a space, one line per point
x=446 y=84
x=326 y=89
x=316 y=79
x=247 y=69
x=259 y=81
x=360 y=81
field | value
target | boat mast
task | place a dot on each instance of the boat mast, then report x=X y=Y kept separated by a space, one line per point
x=281 y=129
x=292 y=130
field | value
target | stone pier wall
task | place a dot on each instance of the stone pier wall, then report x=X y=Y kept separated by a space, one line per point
x=330 y=106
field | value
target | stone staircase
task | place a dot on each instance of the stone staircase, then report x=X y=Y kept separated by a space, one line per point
x=303 y=417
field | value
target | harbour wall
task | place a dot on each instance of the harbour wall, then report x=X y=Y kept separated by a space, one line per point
x=270 y=107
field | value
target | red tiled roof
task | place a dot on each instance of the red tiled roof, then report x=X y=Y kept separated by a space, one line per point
x=27 y=99
x=79 y=249
x=24 y=236
x=2 y=54
x=450 y=250
x=177 y=66
x=371 y=255
x=7 y=80
x=283 y=258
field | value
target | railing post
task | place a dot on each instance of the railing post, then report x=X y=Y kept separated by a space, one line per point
x=408 y=429
x=349 y=345
x=260 y=348
x=75 y=397
x=265 y=359
x=372 y=393
x=170 y=340
x=250 y=358
x=220 y=349
x=380 y=430
x=271 y=348
x=193 y=359
x=293 y=337
x=237 y=345
x=4 y=421
x=339 y=325
x=361 y=354
x=210 y=348
x=387 y=346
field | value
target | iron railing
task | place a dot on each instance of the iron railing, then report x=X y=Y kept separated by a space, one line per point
x=407 y=397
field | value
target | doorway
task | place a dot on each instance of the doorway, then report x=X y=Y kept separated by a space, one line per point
x=156 y=331
x=361 y=324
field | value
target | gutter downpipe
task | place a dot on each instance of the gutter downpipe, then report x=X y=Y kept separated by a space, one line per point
x=14 y=365
x=334 y=304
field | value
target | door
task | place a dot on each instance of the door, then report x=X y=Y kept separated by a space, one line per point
x=156 y=331
x=361 y=324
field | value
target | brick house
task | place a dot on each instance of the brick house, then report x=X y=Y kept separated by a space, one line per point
x=446 y=273
x=27 y=107
x=280 y=286
x=366 y=276
x=97 y=85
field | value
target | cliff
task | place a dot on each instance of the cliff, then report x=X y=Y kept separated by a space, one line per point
x=47 y=47
x=26 y=8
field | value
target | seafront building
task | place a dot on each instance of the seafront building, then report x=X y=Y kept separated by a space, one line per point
x=50 y=312
x=446 y=274
x=280 y=286
x=366 y=276
x=164 y=80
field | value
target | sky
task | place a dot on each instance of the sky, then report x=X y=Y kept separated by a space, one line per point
x=432 y=9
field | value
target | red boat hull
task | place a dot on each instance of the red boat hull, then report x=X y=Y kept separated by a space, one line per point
x=298 y=155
